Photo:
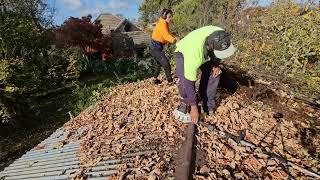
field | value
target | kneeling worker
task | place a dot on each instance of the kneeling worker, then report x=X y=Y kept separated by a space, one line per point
x=201 y=49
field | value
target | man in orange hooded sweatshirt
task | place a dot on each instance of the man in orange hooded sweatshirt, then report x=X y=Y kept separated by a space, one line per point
x=161 y=36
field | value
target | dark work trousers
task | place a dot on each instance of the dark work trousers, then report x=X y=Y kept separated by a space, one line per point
x=180 y=75
x=161 y=60
x=208 y=87
x=208 y=84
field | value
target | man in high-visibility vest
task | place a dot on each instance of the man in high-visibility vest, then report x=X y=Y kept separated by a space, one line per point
x=201 y=49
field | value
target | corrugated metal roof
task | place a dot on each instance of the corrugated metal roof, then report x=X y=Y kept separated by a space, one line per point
x=49 y=161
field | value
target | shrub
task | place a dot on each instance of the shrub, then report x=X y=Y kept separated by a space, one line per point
x=283 y=40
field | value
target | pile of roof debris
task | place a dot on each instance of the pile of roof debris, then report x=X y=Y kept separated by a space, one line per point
x=132 y=134
x=273 y=147
x=138 y=116
x=131 y=118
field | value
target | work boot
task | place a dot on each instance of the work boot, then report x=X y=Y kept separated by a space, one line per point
x=183 y=107
x=182 y=113
x=209 y=111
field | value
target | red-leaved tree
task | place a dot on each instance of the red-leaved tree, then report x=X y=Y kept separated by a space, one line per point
x=84 y=33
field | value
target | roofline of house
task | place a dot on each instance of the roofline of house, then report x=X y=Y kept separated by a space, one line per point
x=109 y=14
x=120 y=23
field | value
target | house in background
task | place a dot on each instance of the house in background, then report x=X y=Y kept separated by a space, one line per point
x=127 y=38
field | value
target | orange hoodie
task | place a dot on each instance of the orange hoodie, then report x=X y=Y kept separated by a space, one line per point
x=161 y=32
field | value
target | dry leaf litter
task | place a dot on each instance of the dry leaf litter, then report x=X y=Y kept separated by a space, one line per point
x=139 y=115
x=227 y=159
x=131 y=118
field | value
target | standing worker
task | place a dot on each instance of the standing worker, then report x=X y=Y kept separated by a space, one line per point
x=201 y=49
x=160 y=37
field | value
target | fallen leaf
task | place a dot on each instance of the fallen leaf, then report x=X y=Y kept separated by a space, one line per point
x=118 y=136
x=204 y=169
x=226 y=172
x=152 y=177
x=40 y=146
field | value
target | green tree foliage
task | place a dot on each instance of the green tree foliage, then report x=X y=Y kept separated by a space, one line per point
x=30 y=62
x=190 y=15
x=22 y=28
x=281 y=39
x=151 y=9
x=21 y=37
x=35 y=10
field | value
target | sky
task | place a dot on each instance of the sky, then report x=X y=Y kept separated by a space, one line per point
x=78 y=8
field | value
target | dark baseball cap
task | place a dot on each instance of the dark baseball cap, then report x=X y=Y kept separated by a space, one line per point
x=222 y=45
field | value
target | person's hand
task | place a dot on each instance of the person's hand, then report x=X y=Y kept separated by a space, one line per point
x=216 y=71
x=177 y=39
x=194 y=114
